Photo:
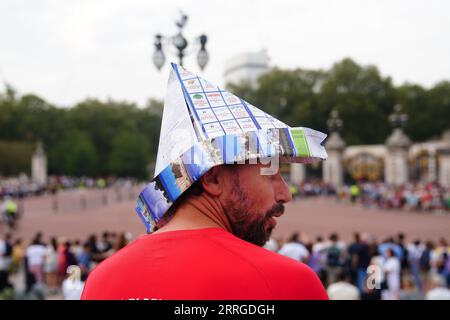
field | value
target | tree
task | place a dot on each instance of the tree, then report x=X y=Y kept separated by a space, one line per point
x=306 y=98
x=439 y=102
x=414 y=101
x=129 y=155
x=363 y=97
x=76 y=155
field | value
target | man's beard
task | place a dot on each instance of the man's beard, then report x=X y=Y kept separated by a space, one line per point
x=248 y=224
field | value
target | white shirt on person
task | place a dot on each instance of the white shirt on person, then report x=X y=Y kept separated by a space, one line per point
x=438 y=294
x=36 y=254
x=294 y=250
x=343 y=291
x=72 y=289
x=392 y=273
x=271 y=245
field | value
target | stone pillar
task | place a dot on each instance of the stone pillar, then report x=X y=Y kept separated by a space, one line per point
x=444 y=168
x=298 y=172
x=332 y=170
x=39 y=165
x=432 y=174
x=396 y=163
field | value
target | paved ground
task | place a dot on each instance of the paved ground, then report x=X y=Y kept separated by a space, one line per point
x=313 y=216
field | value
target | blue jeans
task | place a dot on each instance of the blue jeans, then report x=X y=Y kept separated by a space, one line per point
x=361 y=275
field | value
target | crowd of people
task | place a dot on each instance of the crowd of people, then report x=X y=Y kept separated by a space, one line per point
x=418 y=196
x=22 y=186
x=57 y=268
x=370 y=270
x=362 y=269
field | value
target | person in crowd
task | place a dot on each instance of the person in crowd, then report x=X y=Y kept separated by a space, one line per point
x=415 y=251
x=409 y=290
x=404 y=256
x=95 y=251
x=85 y=259
x=437 y=289
x=73 y=285
x=294 y=249
x=104 y=245
x=343 y=289
x=18 y=254
x=391 y=269
x=318 y=255
x=359 y=260
x=5 y=261
x=67 y=259
x=425 y=260
x=36 y=254
x=77 y=248
x=272 y=245
x=51 y=265
x=9 y=210
x=334 y=259
x=121 y=241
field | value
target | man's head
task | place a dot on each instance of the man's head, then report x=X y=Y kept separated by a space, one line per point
x=249 y=200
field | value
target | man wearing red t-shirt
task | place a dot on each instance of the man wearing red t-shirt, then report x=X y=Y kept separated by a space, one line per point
x=211 y=246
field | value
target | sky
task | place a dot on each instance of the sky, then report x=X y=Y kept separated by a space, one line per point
x=68 y=50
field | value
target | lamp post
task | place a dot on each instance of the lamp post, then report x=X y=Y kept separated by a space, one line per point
x=180 y=43
x=334 y=123
x=397 y=118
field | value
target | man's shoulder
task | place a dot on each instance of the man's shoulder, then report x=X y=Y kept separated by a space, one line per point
x=206 y=257
x=284 y=277
x=265 y=260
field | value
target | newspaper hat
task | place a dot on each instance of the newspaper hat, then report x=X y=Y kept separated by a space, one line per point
x=204 y=126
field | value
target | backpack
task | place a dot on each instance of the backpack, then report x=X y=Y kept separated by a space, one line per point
x=334 y=256
x=425 y=260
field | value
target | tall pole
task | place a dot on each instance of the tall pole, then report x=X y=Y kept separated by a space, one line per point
x=180 y=43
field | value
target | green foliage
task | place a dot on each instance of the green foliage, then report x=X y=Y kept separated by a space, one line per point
x=75 y=154
x=363 y=97
x=92 y=138
x=129 y=155
x=15 y=157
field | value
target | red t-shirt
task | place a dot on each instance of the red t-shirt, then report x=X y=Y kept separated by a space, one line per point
x=200 y=264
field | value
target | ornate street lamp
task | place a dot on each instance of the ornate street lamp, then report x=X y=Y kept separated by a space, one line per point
x=158 y=56
x=334 y=123
x=397 y=118
x=180 y=43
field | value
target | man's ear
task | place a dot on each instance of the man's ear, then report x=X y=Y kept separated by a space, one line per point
x=213 y=181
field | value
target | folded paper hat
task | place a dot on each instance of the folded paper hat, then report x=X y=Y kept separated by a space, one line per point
x=204 y=126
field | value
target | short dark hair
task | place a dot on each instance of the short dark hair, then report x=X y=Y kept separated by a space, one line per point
x=195 y=190
x=294 y=237
x=334 y=237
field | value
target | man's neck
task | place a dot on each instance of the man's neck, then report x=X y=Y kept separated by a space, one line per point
x=198 y=212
